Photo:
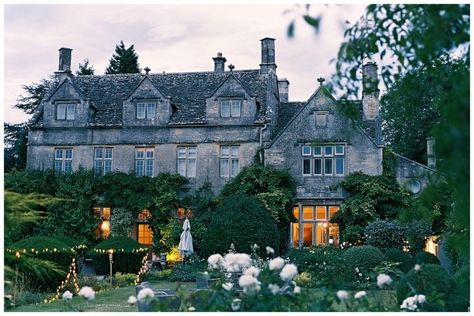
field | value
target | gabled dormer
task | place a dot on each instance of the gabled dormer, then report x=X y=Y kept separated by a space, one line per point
x=146 y=106
x=231 y=103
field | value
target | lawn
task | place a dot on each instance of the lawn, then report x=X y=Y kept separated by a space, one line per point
x=107 y=301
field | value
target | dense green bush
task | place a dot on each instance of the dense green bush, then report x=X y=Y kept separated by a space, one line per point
x=157 y=275
x=404 y=258
x=432 y=281
x=240 y=220
x=417 y=233
x=94 y=283
x=127 y=257
x=458 y=299
x=187 y=272
x=365 y=258
x=123 y=279
x=46 y=248
x=426 y=257
x=385 y=234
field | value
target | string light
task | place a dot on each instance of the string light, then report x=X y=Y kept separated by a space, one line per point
x=72 y=272
x=142 y=270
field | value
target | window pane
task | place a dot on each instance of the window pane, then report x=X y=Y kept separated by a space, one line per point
x=141 y=110
x=59 y=153
x=140 y=153
x=306 y=151
x=67 y=166
x=307 y=234
x=296 y=234
x=192 y=168
x=182 y=167
x=61 y=112
x=333 y=234
x=224 y=168
x=235 y=151
x=98 y=167
x=225 y=151
x=339 y=166
x=317 y=151
x=68 y=153
x=145 y=234
x=296 y=212
x=235 y=108
x=71 y=108
x=181 y=152
x=108 y=166
x=333 y=210
x=235 y=167
x=339 y=150
x=328 y=151
x=328 y=166
x=108 y=153
x=307 y=166
x=98 y=153
x=192 y=152
x=308 y=212
x=140 y=167
x=317 y=167
x=149 y=153
x=58 y=164
x=320 y=212
x=321 y=233
x=151 y=110
x=225 y=109
x=149 y=168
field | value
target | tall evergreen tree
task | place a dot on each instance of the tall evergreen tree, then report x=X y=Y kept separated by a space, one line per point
x=85 y=69
x=35 y=93
x=125 y=60
x=15 y=139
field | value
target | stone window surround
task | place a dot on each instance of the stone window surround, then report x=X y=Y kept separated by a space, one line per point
x=323 y=159
x=148 y=156
x=231 y=101
x=146 y=104
x=63 y=159
x=103 y=159
x=69 y=110
x=188 y=158
x=230 y=159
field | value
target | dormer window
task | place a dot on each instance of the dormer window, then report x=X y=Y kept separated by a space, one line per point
x=230 y=108
x=146 y=110
x=65 y=111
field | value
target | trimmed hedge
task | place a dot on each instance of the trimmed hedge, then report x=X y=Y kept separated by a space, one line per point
x=426 y=257
x=385 y=234
x=458 y=300
x=404 y=258
x=127 y=257
x=365 y=258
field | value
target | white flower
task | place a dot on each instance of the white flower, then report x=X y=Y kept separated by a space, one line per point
x=276 y=264
x=417 y=267
x=297 y=290
x=215 y=261
x=269 y=250
x=360 y=294
x=288 y=272
x=356 y=270
x=342 y=295
x=87 y=293
x=421 y=298
x=191 y=308
x=253 y=271
x=145 y=293
x=274 y=288
x=67 y=296
x=249 y=284
x=132 y=300
x=383 y=279
x=228 y=286
x=409 y=303
x=235 y=262
x=236 y=304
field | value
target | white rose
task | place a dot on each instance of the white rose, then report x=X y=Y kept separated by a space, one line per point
x=132 y=300
x=383 y=279
x=67 y=296
x=360 y=294
x=269 y=250
x=274 y=288
x=276 y=264
x=417 y=267
x=288 y=272
x=342 y=295
x=145 y=293
x=253 y=271
x=228 y=286
x=87 y=293
x=297 y=290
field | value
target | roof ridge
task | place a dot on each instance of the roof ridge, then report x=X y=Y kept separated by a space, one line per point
x=168 y=73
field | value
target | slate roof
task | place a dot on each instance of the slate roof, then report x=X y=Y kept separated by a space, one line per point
x=286 y=110
x=188 y=92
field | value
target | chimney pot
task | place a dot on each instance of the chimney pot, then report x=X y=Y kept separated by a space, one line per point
x=283 y=90
x=219 y=62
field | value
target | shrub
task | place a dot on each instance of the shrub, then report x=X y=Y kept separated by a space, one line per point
x=240 y=220
x=365 y=258
x=122 y=280
x=385 y=234
x=187 y=272
x=157 y=275
x=94 y=283
x=458 y=299
x=416 y=233
x=31 y=297
x=431 y=280
x=426 y=257
x=127 y=257
x=397 y=255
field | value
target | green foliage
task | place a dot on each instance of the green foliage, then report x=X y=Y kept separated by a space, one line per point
x=432 y=281
x=385 y=234
x=425 y=257
x=123 y=280
x=371 y=198
x=274 y=190
x=29 y=181
x=123 y=61
x=85 y=69
x=235 y=215
x=417 y=232
x=96 y=284
x=458 y=298
x=365 y=258
x=157 y=275
x=15 y=140
x=406 y=262
x=127 y=255
x=121 y=222
x=187 y=272
x=34 y=95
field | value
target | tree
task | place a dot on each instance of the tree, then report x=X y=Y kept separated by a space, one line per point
x=35 y=94
x=84 y=69
x=124 y=61
x=15 y=139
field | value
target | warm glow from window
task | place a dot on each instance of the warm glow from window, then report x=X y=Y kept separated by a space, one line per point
x=307 y=212
x=145 y=234
x=144 y=215
x=296 y=212
x=296 y=236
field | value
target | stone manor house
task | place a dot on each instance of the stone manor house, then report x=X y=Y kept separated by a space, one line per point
x=207 y=126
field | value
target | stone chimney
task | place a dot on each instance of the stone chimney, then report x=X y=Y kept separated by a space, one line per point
x=430 y=142
x=64 y=59
x=283 y=84
x=370 y=91
x=268 y=55
x=219 y=63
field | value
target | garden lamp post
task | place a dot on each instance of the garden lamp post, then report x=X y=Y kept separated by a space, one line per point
x=111 y=256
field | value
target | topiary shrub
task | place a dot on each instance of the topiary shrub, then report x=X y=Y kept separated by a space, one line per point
x=365 y=258
x=385 y=234
x=404 y=258
x=417 y=232
x=46 y=248
x=458 y=299
x=127 y=255
x=426 y=257
x=432 y=281
x=240 y=220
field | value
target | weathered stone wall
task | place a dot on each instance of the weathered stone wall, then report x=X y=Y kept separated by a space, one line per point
x=412 y=175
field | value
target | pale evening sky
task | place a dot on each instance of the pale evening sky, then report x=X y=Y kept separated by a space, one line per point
x=171 y=38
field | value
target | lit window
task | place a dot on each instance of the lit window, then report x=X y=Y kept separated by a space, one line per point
x=144 y=215
x=145 y=234
x=102 y=160
x=230 y=108
x=229 y=161
x=103 y=215
x=187 y=161
x=144 y=161
x=63 y=160
x=65 y=111
x=146 y=110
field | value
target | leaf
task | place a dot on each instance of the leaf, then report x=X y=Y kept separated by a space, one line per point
x=291 y=29
x=312 y=21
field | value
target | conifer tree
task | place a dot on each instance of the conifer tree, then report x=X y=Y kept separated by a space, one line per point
x=123 y=61
x=85 y=69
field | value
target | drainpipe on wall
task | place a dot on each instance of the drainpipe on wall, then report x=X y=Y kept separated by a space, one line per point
x=261 y=143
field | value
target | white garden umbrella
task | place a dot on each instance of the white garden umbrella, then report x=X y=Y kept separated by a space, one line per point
x=185 y=246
